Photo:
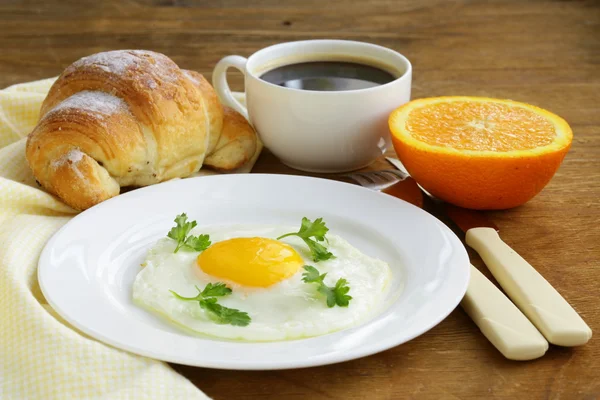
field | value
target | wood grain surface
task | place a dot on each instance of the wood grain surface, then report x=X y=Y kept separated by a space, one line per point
x=542 y=52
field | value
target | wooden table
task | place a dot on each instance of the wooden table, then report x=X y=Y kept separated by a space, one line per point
x=542 y=52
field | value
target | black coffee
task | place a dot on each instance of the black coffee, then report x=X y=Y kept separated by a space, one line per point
x=328 y=76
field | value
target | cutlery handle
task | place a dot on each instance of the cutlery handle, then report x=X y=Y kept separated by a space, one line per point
x=501 y=322
x=538 y=300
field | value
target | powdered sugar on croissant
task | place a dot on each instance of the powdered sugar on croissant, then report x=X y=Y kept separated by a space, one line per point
x=131 y=118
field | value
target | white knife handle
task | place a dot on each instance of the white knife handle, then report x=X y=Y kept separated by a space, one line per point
x=538 y=300
x=501 y=322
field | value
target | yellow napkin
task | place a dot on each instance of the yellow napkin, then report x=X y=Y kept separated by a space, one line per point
x=41 y=356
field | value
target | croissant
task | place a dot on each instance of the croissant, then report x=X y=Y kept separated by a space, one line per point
x=131 y=118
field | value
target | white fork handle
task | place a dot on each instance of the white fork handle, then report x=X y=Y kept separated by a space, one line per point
x=542 y=304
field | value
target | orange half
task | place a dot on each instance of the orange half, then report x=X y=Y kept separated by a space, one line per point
x=479 y=152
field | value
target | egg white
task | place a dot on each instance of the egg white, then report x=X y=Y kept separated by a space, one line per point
x=289 y=309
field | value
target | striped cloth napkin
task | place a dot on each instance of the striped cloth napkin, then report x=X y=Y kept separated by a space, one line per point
x=41 y=355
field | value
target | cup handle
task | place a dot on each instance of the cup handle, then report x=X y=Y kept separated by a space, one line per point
x=221 y=86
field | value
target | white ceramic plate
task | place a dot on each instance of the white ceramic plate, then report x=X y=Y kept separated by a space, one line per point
x=87 y=269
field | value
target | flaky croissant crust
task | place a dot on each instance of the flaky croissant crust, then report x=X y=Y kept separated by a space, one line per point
x=131 y=118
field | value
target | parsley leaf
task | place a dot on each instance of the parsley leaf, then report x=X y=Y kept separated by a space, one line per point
x=198 y=243
x=340 y=291
x=218 y=289
x=337 y=295
x=312 y=275
x=180 y=234
x=183 y=228
x=316 y=229
x=329 y=295
x=318 y=251
x=206 y=298
x=308 y=230
x=225 y=315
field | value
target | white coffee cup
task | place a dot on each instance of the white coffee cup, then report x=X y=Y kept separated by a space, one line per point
x=318 y=131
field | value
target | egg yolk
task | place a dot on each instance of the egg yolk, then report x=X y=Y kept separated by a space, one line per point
x=253 y=261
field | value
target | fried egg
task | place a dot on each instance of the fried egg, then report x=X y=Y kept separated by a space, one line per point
x=265 y=276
